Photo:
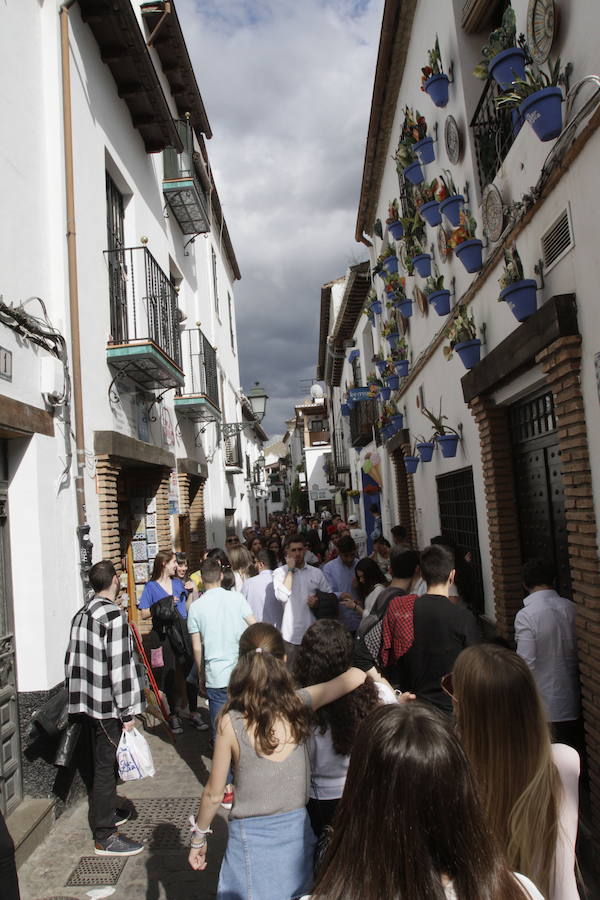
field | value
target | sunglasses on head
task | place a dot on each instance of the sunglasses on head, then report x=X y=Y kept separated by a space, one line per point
x=447 y=685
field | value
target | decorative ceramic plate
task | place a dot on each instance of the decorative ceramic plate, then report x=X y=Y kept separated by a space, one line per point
x=420 y=299
x=442 y=243
x=492 y=212
x=542 y=25
x=453 y=140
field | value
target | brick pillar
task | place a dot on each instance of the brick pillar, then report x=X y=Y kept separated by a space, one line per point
x=163 y=526
x=501 y=510
x=197 y=523
x=405 y=494
x=183 y=482
x=107 y=473
x=561 y=362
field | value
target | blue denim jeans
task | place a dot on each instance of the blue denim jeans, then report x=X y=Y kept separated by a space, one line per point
x=216 y=700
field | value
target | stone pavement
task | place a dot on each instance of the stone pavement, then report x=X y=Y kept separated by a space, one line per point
x=162 y=805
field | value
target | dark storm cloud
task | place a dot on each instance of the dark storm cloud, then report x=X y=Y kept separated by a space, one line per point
x=287 y=87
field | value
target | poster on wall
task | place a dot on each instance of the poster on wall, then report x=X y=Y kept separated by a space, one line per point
x=173 y=494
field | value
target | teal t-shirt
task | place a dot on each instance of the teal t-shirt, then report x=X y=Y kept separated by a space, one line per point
x=219 y=617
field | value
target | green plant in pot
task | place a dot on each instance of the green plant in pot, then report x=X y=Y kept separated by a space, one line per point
x=446 y=437
x=395 y=290
x=538 y=99
x=461 y=334
x=518 y=292
x=503 y=58
x=426 y=201
x=467 y=247
x=449 y=198
x=393 y=220
x=437 y=295
x=434 y=81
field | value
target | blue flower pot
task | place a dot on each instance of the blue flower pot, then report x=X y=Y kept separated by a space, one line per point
x=469 y=352
x=414 y=173
x=397 y=421
x=410 y=464
x=448 y=444
x=392 y=381
x=381 y=366
x=355 y=500
x=508 y=66
x=350 y=403
x=440 y=300
x=451 y=207
x=406 y=307
x=401 y=367
x=543 y=112
x=521 y=298
x=345 y=409
x=385 y=393
x=425 y=150
x=393 y=339
x=422 y=263
x=470 y=254
x=387 y=432
x=376 y=307
x=437 y=88
x=396 y=229
x=390 y=264
x=430 y=212
x=425 y=449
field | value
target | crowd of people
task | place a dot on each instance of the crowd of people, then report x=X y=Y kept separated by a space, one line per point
x=367 y=741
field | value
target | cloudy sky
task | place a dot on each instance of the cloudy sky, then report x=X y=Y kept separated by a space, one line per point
x=287 y=86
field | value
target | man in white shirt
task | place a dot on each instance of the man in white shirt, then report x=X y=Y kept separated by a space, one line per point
x=259 y=590
x=358 y=536
x=340 y=575
x=295 y=584
x=545 y=635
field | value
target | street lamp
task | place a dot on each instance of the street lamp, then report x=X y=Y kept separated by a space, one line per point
x=258 y=403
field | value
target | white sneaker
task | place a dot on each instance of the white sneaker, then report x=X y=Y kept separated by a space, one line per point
x=198 y=722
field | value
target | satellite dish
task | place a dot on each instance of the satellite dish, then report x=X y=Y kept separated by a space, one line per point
x=316 y=392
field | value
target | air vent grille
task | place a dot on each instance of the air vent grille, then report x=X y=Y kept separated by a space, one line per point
x=557 y=240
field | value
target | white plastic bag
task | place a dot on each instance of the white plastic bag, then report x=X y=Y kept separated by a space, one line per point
x=133 y=756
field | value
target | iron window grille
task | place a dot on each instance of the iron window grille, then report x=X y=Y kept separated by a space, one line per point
x=200 y=365
x=363 y=418
x=458 y=521
x=233 y=451
x=532 y=419
x=340 y=453
x=494 y=131
x=143 y=302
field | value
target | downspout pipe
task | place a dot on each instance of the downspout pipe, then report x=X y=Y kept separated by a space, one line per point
x=85 y=546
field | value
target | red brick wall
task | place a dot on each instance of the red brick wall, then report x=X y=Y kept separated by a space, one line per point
x=405 y=495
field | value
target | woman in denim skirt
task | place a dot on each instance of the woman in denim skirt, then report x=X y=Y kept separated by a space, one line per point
x=263 y=730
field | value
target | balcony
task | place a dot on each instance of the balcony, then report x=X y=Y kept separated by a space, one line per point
x=363 y=417
x=232 y=449
x=144 y=342
x=340 y=453
x=493 y=132
x=199 y=398
x=181 y=187
x=318 y=438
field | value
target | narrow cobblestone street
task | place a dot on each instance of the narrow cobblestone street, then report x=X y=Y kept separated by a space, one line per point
x=161 y=806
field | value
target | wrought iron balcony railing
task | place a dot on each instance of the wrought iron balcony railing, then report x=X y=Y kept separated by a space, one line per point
x=199 y=365
x=181 y=186
x=340 y=453
x=494 y=131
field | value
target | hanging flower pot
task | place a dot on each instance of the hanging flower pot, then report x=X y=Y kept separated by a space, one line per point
x=393 y=339
x=401 y=367
x=425 y=449
x=356 y=499
x=385 y=393
x=430 y=212
x=381 y=366
x=440 y=300
x=470 y=254
x=374 y=391
x=469 y=352
x=448 y=444
x=345 y=409
x=437 y=88
x=397 y=421
x=390 y=264
x=520 y=297
x=406 y=307
x=410 y=464
x=414 y=173
x=376 y=307
x=392 y=381
x=543 y=112
x=425 y=150
x=396 y=229
x=451 y=207
x=508 y=66
x=422 y=263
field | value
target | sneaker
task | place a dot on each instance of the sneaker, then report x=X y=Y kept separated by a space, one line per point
x=121 y=816
x=175 y=724
x=117 y=845
x=227 y=801
x=198 y=722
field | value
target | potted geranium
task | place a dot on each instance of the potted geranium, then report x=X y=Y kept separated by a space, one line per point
x=354 y=495
x=538 y=98
x=373 y=303
x=394 y=288
x=427 y=203
x=447 y=438
x=503 y=59
x=449 y=198
x=518 y=292
x=390 y=332
x=392 y=381
x=434 y=80
x=437 y=295
x=399 y=358
x=414 y=241
x=415 y=129
x=407 y=163
x=462 y=337
x=380 y=362
x=374 y=383
x=468 y=248
x=393 y=221
x=389 y=260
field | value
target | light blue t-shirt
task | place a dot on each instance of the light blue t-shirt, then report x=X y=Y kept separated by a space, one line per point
x=219 y=617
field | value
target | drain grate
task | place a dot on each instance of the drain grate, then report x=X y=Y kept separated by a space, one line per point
x=162 y=823
x=91 y=870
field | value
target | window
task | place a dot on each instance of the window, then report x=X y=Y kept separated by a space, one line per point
x=317 y=425
x=356 y=372
x=115 y=216
x=215 y=284
x=116 y=260
x=230 y=308
x=276 y=496
x=458 y=521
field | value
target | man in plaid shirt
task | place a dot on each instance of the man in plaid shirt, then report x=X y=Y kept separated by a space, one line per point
x=106 y=691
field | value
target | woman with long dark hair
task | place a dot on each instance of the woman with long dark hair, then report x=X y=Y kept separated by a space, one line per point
x=263 y=730
x=528 y=786
x=409 y=825
x=326 y=652
x=370 y=581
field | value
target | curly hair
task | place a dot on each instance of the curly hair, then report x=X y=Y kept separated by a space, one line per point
x=325 y=653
